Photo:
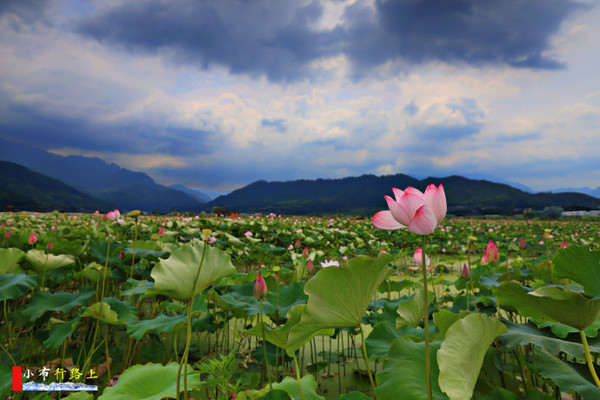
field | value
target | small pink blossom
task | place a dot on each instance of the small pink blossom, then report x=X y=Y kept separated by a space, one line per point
x=330 y=263
x=563 y=244
x=248 y=234
x=161 y=231
x=212 y=240
x=418 y=257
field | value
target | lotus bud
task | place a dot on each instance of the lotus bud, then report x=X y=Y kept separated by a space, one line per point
x=50 y=245
x=563 y=244
x=310 y=266
x=32 y=239
x=260 y=287
x=297 y=244
x=490 y=255
x=305 y=252
x=121 y=255
x=465 y=272
x=161 y=231
x=522 y=243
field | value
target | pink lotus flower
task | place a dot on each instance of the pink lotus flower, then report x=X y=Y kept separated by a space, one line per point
x=32 y=239
x=161 y=231
x=420 y=212
x=260 y=287
x=212 y=240
x=418 y=257
x=563 y=244
x=50 y=245
x=7 y=235
x=490 y=255
x=330 y=263
x=522 y=243
x=248 y=234
x=112 y=215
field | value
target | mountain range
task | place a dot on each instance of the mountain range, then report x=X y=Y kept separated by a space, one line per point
x=364 y=195
x=114 y=186
x=44 y=181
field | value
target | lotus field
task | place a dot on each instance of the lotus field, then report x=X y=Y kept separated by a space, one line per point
x=406 y=304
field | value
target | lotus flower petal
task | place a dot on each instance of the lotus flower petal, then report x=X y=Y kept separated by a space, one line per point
x=424 y=221
x=385 y=220
x=397 y=193
x=398 y=211
x=411 y=203
x=436 y=199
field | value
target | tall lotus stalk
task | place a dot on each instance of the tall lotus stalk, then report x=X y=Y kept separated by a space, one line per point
x=188 y=337
x=420 y=213
x=134 y=214
x=260 y=290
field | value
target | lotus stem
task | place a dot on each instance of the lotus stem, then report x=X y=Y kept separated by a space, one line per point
x=426 y=321
x=298 y=376
x=262 y=324
x=184 y=357
x=134 y=246
x=364 y=353
x=588 y=357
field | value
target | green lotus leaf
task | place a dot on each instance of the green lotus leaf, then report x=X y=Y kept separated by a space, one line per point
x=339 y=297
x=139 y=287
x=501 y=394
x=162 y=323
x=241 y=300
x=90 y=272
x=548 y=302
x=59 y=333
x=461 y=355
x=581 y=265
x=275 y=395
x=529 y=334
x=41 y=261
x=103 y=312
x=411 y=311
x=566 y=377
x=288 y=385
x=562 y=330
x=289 y=296
x=42 y=302
x=178 y=277
x=9 y=260
x=79 y=396
x=444 y=319
x=149 y=382
x=125 y=309
x=380 y=339
x=353 y=396
x=403 y=374
x=13 y=286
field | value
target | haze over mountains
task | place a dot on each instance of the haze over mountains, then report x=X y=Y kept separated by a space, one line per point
x=75 y=183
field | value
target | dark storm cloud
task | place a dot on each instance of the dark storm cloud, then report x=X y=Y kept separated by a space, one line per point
x=278 y=39
x=53 y=131
x=27 y=10
x=475 y=32
x=253 y=37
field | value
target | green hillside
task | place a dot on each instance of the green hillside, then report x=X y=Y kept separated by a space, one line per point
x=364 y=195
x=24 y=189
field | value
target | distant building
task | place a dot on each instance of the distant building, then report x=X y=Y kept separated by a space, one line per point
x=579 y=213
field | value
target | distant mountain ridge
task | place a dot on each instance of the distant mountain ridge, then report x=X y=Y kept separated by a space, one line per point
x=24 y=189
x=110 y=183
x=364 y=195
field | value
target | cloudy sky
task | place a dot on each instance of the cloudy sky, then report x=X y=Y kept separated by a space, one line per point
x=218 y=94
